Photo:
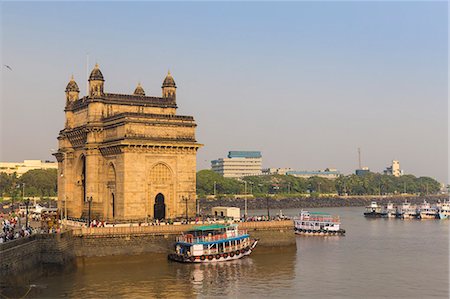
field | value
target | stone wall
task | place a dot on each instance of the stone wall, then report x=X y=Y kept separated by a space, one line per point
x=33 y=252
x=121 y=245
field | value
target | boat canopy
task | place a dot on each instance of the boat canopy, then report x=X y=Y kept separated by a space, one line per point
x=319 y=214
x=209 y=227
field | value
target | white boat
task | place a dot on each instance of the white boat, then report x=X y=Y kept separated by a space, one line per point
x=212 y=243
x=406 y=211
x=373 y=210
x=389 y=210
x=444 y=210
x=426 y=211
x=317 y=223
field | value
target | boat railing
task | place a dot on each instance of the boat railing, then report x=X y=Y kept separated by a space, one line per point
x=321 y=218
x=188 y=238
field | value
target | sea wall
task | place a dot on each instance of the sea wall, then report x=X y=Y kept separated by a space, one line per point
x=33 y=252
x=276 y=204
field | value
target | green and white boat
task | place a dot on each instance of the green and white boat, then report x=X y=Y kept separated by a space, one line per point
x=212 y=243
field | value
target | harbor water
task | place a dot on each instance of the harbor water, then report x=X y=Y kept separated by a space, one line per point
x=377 y=258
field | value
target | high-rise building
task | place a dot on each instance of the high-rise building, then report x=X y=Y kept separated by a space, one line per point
x=238 y=164
x=394 y=169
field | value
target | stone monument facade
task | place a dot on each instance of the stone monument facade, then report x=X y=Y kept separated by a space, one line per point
x=124 y=157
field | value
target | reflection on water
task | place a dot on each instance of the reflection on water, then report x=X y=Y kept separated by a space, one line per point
x=376 y=258
x=152 y=275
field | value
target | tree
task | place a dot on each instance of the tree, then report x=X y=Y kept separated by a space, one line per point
x=40 y=182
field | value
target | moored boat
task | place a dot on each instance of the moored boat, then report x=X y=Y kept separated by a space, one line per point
x=373 y=210
x=388 y=211
x=444 y=210
x=212 y=243
x=317 y=223
x=406 y=211
x=426 y=211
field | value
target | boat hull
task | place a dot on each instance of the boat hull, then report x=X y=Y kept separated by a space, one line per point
x=428 y=216
x=308 y=232
x=214 y=258
x=373 y=215
x=444 y=216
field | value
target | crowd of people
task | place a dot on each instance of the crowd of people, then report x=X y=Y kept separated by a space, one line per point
x=15 y=225
x=11 y=228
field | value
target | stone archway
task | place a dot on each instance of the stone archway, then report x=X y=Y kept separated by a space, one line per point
x=159 y=208
x=111 y=205
x=161 y=184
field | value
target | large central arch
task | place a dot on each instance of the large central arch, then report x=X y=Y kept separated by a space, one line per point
x=161 y=190
x=159 y=208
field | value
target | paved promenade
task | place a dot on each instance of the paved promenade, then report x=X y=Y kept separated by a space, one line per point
x=173 y=229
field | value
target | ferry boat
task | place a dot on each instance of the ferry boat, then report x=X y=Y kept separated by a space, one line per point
x=373 y=210
x=444 y=210
x=317 y=223
x=406 y=211
x=212 y=243
x=426 y=211
x=388 y=211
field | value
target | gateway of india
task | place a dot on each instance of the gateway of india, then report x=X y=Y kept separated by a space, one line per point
x=126 y=156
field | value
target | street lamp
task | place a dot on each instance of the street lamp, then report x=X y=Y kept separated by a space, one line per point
x=268 y=208
x=27 y=203
x=214 y=187
x=185 y=199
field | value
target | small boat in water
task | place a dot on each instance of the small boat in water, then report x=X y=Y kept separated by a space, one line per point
x=426 y=211
x=318 y=224
x=388 y=211
x=212 y=243
x=406 y=211
x=373 y=210
x=444 y=210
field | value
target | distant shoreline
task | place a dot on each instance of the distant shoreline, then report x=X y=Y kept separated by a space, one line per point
x=306 y=202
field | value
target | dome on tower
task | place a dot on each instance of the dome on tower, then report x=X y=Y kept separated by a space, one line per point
x=96 y=74
x=139 y=91
x=72 y=86
x=169 y=81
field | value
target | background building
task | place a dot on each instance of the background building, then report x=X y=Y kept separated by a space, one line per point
x=21 y=167
x=280 y=171
x=328 y=173
x=238 y=164
x=362 y=171
x=126 y=156
x=394 y=169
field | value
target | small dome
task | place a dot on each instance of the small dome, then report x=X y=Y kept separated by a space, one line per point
x=169 y=81
x=96 y=74
x=139 y=91
x=72 y=86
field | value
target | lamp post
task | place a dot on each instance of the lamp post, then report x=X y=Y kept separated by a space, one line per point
x=89 y=200
x=245 y=199
x=197 y=203
x=268 y=208
x=185 y=199
x=214 y=187
x=27 y=203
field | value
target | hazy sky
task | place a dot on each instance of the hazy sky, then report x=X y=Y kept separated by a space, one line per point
x=305 y=83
